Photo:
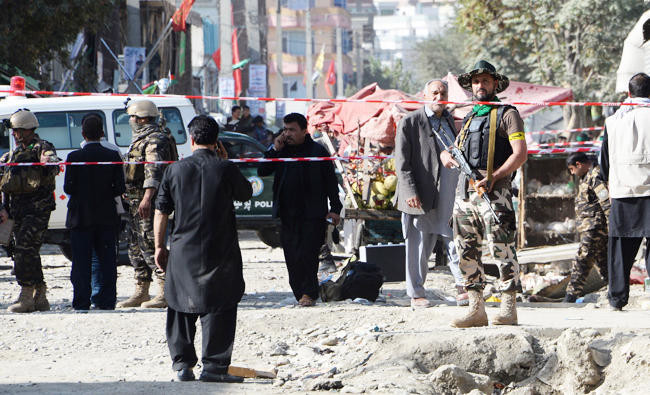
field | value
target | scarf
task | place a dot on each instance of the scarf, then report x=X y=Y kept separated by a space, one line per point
x=625 y=109
x=483 y=109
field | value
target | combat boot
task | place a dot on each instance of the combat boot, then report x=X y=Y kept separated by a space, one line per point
x=40 y=299
x=477 y=315
x=508 y=310
x=158 y=302
x=140 y=295
x=25 y=302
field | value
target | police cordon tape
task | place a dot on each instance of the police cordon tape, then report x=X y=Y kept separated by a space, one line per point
x=316 y=100
x=566 y=144
x=576 y=130
x=265 y=160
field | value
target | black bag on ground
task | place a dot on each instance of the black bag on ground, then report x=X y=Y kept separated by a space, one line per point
x=357 y=280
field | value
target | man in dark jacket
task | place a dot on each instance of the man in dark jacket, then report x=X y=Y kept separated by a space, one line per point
x=92 y=216
x=204 y=275
x=300 y=194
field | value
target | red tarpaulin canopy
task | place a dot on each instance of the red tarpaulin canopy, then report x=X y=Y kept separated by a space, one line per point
x=378 y=121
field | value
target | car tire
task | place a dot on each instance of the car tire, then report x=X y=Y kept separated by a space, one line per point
x=66 y=250
x=269 y=236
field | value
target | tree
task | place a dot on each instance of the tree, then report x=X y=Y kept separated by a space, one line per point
x=385 y=76
x=39 y=31
x=437 y=56
x=573 y=43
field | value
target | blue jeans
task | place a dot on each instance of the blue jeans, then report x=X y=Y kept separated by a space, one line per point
x=96 y=277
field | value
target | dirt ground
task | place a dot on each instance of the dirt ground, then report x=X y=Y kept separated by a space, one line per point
x=352 y=347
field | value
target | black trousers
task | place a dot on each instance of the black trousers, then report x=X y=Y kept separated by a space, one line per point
x=218 y=331
x=620 y=258
x=301 y=240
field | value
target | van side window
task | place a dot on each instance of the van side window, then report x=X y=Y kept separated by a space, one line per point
x=172 y=117
x=63 y=129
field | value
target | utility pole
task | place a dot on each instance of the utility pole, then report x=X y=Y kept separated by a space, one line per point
x=308 y=55
x=225 y=37
x=339 y=62
x=225 y=44
x=278 y=49
x=358 y=50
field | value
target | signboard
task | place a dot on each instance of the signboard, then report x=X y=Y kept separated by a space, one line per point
x=133 y=58
x=257 y=88
x=226 y=88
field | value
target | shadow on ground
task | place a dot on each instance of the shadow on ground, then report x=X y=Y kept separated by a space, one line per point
x=135 y=387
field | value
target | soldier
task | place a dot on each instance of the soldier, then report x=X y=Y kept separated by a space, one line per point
x=150 y=143
x=29 y=196
x=592 y=211
x=493 y=142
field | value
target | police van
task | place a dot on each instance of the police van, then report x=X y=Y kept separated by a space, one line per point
x=60 y=124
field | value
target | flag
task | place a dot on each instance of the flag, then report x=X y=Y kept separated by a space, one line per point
x=216 y=56
x=180 y=16
x=181 y=54
x=235 y=60
x=318 y=67
x=330 y=78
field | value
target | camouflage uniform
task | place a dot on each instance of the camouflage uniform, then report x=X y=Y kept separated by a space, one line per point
x=471 y=220
x=29 y=199
x=592 y=211
x=150 y=143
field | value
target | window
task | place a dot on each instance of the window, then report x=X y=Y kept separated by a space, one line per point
x=173 y=119
x=238 y=149
x=63 y=129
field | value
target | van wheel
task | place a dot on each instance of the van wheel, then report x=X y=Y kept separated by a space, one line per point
x=269 y=236
x=66 y=250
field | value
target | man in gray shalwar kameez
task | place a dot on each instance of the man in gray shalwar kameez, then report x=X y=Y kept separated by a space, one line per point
x=426 y=189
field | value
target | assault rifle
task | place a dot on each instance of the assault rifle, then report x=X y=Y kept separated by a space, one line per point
x=473 y=175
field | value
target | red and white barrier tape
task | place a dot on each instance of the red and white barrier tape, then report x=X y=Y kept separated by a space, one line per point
x=558 y=131
x=547 y=151
x=265 y=160
x=243 y=160
x=565 y=144
x=295 y=99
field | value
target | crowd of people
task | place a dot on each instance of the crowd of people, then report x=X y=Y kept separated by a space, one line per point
x=200 y=274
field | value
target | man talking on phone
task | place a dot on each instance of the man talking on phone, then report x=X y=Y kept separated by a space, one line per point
x=301 y=191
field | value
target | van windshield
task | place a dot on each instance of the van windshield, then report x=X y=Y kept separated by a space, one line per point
x=173 y=120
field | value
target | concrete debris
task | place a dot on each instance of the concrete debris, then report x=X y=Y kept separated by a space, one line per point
x=450 y=379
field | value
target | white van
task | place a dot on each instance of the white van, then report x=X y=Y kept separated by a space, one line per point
x=60 y=124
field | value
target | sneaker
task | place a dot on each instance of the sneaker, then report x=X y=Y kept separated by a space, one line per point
x=306 y=301
x=420 y=302
x=185 y=374
x=219 y=378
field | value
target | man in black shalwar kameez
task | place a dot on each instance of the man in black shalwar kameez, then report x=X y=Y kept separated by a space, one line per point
x=204 y=273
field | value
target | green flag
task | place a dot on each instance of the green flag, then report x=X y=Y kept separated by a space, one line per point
x=181 y=55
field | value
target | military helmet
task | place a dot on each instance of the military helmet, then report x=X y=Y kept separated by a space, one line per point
x=142 y=109
x=23 y=119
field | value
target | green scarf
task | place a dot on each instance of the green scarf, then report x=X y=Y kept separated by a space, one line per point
x=483 y=109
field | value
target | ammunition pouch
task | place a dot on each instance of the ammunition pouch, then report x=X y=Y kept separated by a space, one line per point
x=24 y=179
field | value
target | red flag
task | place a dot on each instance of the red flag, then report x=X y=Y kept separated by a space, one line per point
x=235 y=60
x=180 y=16
x=330 y=78
x=216 y=56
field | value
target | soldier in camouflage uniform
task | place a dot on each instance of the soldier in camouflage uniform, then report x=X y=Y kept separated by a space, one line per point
x=592 y=211
x=29 y=200
x=492 y=141
x=150 y=143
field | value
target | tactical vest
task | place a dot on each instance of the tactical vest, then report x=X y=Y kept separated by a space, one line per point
x=476 y=135
x=137 y=153
x=25 y=179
